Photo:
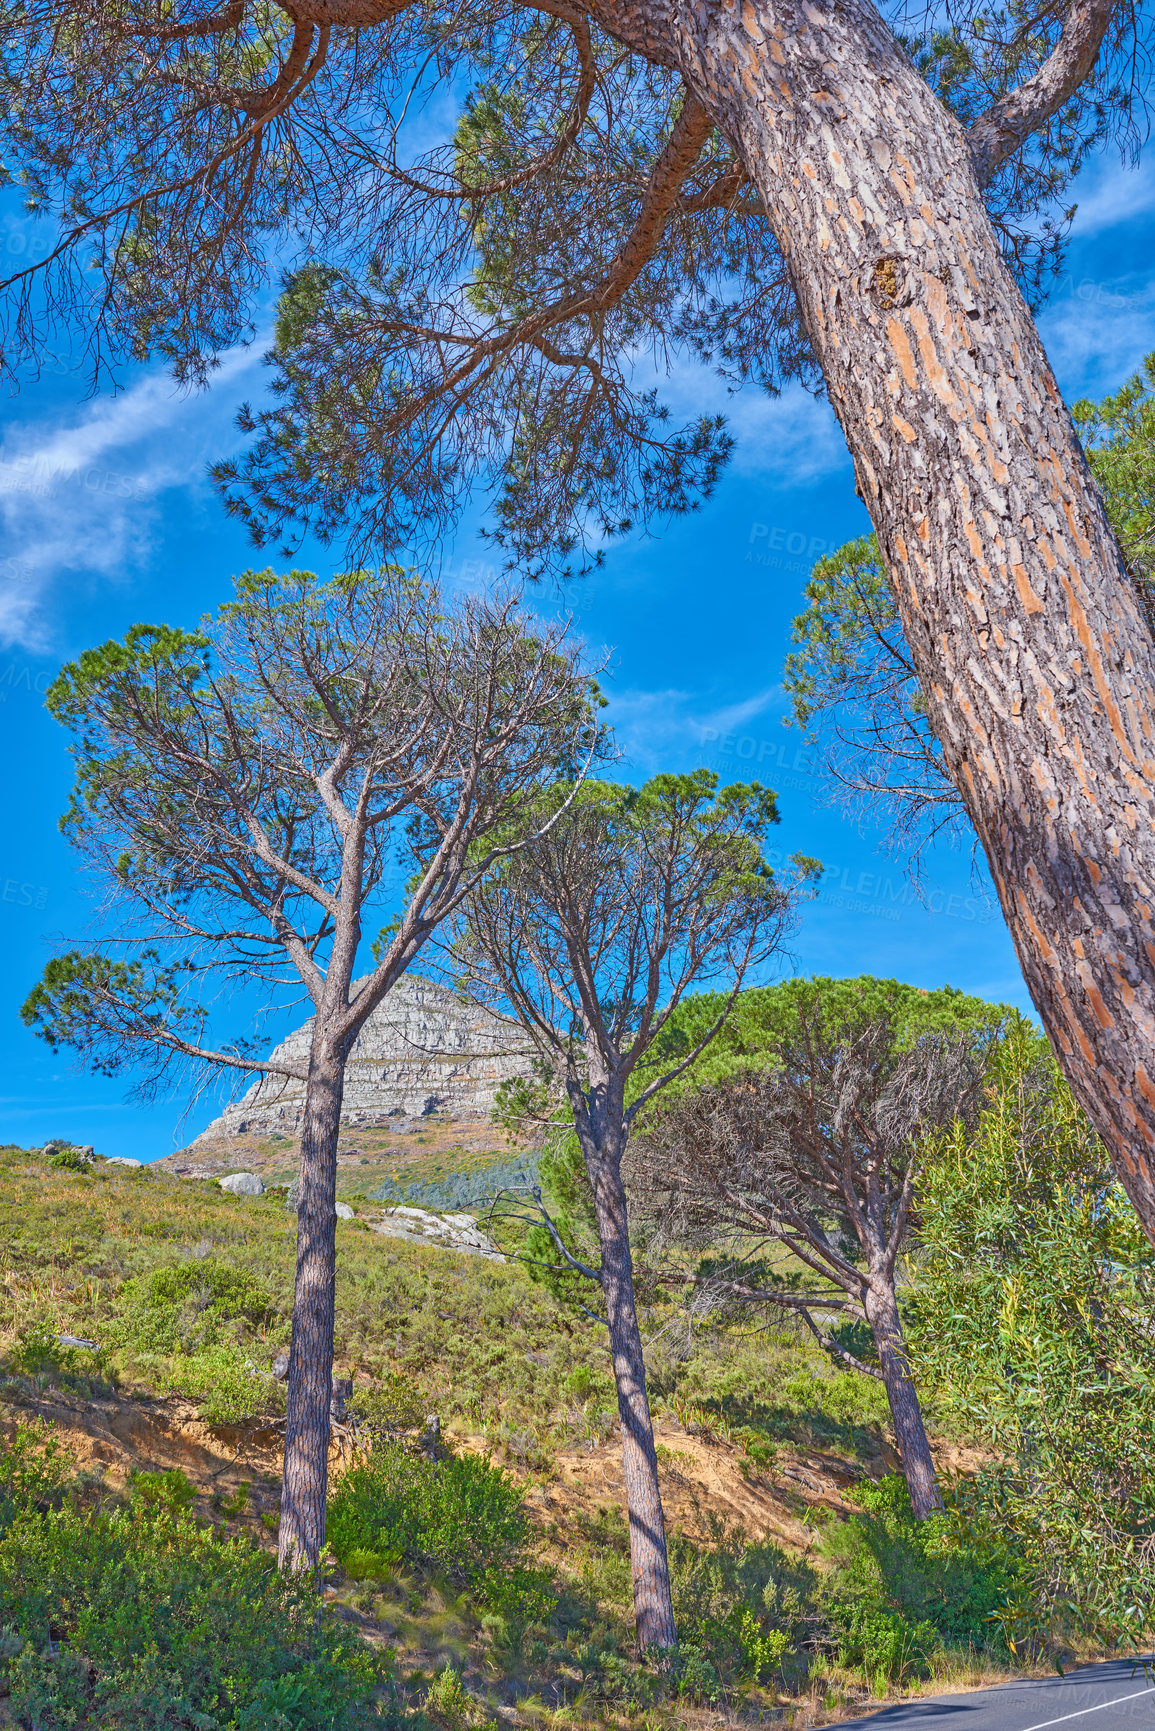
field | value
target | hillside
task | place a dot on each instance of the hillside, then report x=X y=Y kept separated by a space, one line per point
x=435 y=1160
x=184 y=1292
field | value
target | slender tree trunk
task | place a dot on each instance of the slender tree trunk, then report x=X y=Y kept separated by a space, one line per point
x=1025 y=630
x=906 y=1414
x=306 y=1472
x=653 y=1606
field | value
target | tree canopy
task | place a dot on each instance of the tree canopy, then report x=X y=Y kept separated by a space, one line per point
x=765 y=1017
x=471 y=306
x=245 y=794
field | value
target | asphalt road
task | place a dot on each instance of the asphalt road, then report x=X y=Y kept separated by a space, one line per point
x=1116 y=1696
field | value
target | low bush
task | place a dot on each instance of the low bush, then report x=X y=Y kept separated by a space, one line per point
x=33 y=1473
x=901 y=1587
x=884 y=1644
x=192 y=1328
x=461 y=1518
x=142 y=1619
x=742 y=1610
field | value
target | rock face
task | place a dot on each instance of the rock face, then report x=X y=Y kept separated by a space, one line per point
x=421 y=1051
x=458 y=1232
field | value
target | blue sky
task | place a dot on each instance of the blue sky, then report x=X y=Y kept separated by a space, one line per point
x=106 y=519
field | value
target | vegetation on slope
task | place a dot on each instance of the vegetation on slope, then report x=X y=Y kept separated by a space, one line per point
x=525 y=1599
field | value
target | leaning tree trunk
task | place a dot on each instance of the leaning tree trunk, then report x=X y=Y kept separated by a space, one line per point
x=306 y=1471
x=881 y=1308
x=653 y=1605
x=1025 y=631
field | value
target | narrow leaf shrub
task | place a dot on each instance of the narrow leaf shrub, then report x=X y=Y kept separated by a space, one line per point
x=1032 y=1320
x=194 y=1328
x=742 y=1610
x=901 y=1588
x=141 y=1619
x=461 y=1518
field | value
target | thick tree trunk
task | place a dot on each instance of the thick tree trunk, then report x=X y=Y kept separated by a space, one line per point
x=653 y=1606
x=1024 y=628
x=306 y=1472
x=906 y=1414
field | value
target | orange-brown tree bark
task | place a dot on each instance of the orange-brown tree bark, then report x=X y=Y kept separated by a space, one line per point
x=1025 y=630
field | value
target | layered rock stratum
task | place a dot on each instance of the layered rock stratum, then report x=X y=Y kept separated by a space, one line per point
x=423 y=1051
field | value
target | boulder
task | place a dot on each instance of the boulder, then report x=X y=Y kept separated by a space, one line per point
x=281 y=1367
x=76 y=1340
x=242 y=1184
x=121 y=1160
x=344 y=1212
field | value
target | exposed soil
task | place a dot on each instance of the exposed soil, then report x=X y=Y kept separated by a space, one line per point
x=703 y=1480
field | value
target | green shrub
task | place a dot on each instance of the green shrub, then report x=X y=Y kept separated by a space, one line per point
x=392 y=1409
x=40 y=1353
x=1032 y=1321
x=743 y=1609
x=448 y=1700
x=72 y=1160
x=33 y=1473
x=186 y=1307
x=144 y=1620
x=189 y=1328
x=462 y=1518
x=882 y=1643
x=169 y=1493
x=697 y=1678
x=902 y=1587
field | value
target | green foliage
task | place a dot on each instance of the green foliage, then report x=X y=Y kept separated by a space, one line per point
x=765 y=1017
x=63 y=1008
x=1033 y=1321
x=33 y=1473
x=40 y=1353
x=902 y=1587
x=741 y=1610
x=462 y=1518
x=1118 y=435
x=191 y=1327
x=72 y=1160
x=167 y=1493
x=448 y=1700
x=187 y=1306
x=884 y=1644
x=391 y=1409
x=143 y=1620
x=670 y=879
x=850 y=608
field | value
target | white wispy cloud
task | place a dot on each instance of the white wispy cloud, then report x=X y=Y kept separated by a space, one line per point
x=1110 y=192
x=669 y=728
x=792 y=439
x=1097 y=332
x=79 y=498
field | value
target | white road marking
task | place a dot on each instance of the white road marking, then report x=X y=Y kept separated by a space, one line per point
x=1043 y=1723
